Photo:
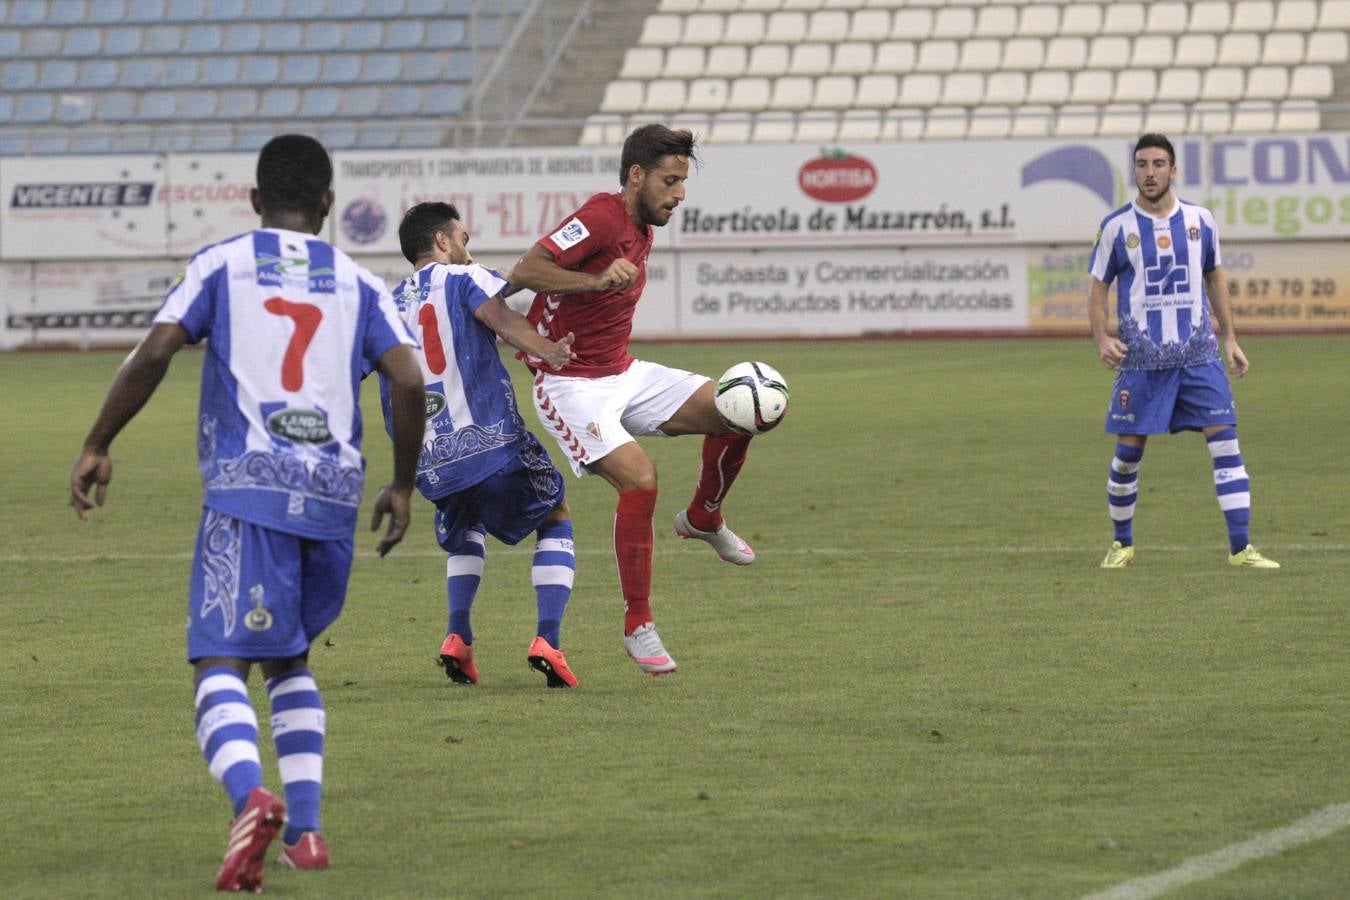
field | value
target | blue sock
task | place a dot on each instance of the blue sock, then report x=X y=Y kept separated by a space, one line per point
x=552 y=574
x=1232 y=487
x=227 y=732
x=298 y=730
x=1122 y=490
x=463 y=572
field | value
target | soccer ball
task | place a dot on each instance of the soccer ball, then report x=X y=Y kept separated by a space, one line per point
x=751 y=397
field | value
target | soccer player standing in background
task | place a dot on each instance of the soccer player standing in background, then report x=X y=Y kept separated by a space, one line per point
x=289 y=322
x=588 y=276
x=484 y=471
x=1165 y=254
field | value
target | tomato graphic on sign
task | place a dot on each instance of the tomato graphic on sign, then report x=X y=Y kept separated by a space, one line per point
x=837 y=176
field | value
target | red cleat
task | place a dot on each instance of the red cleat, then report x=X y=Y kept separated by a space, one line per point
x=457 y=657
x=252 y=831
x=550 y=660
x=309 y=853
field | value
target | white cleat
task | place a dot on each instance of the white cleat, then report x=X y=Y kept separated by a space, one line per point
x=728 y=546
x=644 y=645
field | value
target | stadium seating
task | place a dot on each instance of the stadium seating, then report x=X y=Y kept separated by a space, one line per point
x=984 y=68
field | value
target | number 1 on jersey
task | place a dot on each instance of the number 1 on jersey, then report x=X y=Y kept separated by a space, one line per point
x=306 y=317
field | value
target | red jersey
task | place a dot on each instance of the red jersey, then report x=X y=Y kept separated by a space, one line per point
x=588 y=241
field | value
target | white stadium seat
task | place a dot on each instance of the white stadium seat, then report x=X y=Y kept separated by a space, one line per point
x=678 y=6
x=1296 y=15
x=703 y=29
x=996 y=21
x=1335 y=14
x=1254 y=117
x=880 y=91
x=1066 y=53
x=920 y=89
x=1330 y=47
x=622 y=97
x=1039 y=20
x=1267 y=83
x=786 y=27
x=810 y=59
x=852 y=58
x=1023 y=54
x=1239 y=50
x=827 y=25
x=1179 y=86
x=956 y=22
x=1006 y=88
x=1122 y=119
x=1124 y=18
x=833 y=92
x=661 y=30
x=1048 y=87
x=902 y=124
x=729 y=128
x=1310 y=83
x=1211 y=118
x=912 y=25
x=1253 y=15
x=792 y=92
x=1165 y=18
x=719 y=5
x=980 y=55
x=946 y=123
x=1032 y=121
x=1223 y=83
x=962 y=89
x=706 y=95
x=1081 y=19
x=1298 y=115
x=896 y=56
x=773 y=128
x=870 y=25
x=816 y=127
x=744 y=28
x=1197 y=51
x=1165 y=118
x=1077 y=120
x=603 y=131
x=664 y=95
x=642 y=63
x=1091 y=86
x=749 y=94
x=937 y=56
x=1109 y=51
x=990 y=122
x=727 y=61
x=1210 y=17
x=1152 y=52
x=768 y=60
x=1136 y=86
x=684 y=62
x=860 y=125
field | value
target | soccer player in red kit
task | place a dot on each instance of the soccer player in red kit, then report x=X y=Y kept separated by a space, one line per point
x=588 y=275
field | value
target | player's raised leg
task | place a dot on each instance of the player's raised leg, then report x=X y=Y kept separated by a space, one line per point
x=1233 y=488
x=1122 y=491
x=298 y=728
x=552 y=573
x=463 y=573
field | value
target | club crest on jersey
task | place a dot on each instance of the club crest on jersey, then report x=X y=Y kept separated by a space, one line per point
x=570 y=235
x=1193 y=233
x=1123 y=399
x=1164 y=241
x=1132 y=241
x=594 y=430
x=257 y=618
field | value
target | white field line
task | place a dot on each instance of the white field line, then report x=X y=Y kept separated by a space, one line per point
x=1325 y=822
x=527 y=547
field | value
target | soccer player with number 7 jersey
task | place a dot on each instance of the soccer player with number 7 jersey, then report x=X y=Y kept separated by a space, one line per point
x=290 y=322
x=1163 y=254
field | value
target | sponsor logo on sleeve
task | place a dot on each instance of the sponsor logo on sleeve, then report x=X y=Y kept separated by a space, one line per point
x=570 y=235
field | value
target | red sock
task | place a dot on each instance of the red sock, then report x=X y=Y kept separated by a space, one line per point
x=633 y=552
x=723 y=456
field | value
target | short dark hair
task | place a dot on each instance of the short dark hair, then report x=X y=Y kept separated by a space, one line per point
x=294 y=172
x=1153 y=139
x=647 y=145
x=417 y=231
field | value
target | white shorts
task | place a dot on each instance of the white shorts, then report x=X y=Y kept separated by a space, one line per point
x=590 y=418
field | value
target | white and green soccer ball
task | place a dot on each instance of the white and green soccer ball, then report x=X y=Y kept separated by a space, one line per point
x=752 y=397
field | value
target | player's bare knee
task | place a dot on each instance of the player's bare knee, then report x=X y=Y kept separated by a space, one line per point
x=271 y=668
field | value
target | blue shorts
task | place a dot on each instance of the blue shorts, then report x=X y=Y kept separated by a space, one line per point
x=1155 y=401
x=510 y=503
x=256 y=593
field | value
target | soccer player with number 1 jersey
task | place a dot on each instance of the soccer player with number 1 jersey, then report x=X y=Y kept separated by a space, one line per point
x=1163 y=254
x=290 y=322
x=588 y=275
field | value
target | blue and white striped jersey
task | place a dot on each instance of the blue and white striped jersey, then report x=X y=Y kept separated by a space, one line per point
x=473 y=427
x=1159 y=265
x=290 y=322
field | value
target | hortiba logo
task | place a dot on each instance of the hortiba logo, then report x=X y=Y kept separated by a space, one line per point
x=837 y=176
x=307 y=426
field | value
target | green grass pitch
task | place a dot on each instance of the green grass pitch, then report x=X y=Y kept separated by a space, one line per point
x=925 y=687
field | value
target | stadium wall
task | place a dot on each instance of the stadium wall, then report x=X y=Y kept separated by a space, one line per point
x=772 y=240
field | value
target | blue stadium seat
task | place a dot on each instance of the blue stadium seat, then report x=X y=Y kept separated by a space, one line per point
x=401 y=100
x=13 y=143
x=140 y=73
x=10 y=42
x=424 y=8
x=319 y=103
x=302 y=10
x=33 y=108
x=203 y=39
x=238 y=104
x=323 y=36
x=340 y=68
x=115 y=106
x=50 y=143
x=90 y=142
x=403 y=35
x=131 y=142
x=74 y=109
x=340 y=136
x=347 y=9
x=58 y=74
x=222 y=71
x=68 y=12
x=279 y=103
x=443 y=100
x=187 y=10
x=442 y=34
x=42 y=42
x=157 y=106
x=299 y=70
x=460 y=67
x=214 y=140
x=361 y=101
x=119 y=42
x=243 y=39
x=18 y=75
x=381 y=67
x=6 y=107
x=107 y=12
x=28 y=12
x=364 y=35
x=377 y=137
x=281 y=37
x=267 y=9
x=260 y=70
x=225 y=10
x=181 y=71
x=251 y=137
x=162 y=39
x=166 y=140
x=200 y=104
x=425 y=67
x=145 y=11
x=98 y=73
x=427 y=134
x=83 y=42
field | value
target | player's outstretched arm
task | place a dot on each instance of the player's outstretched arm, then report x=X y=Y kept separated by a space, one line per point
x=1110 y=350
x=538 y=271
x=517 y=331
x=407 y=413
x=132 y=387
x=1216 y=286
